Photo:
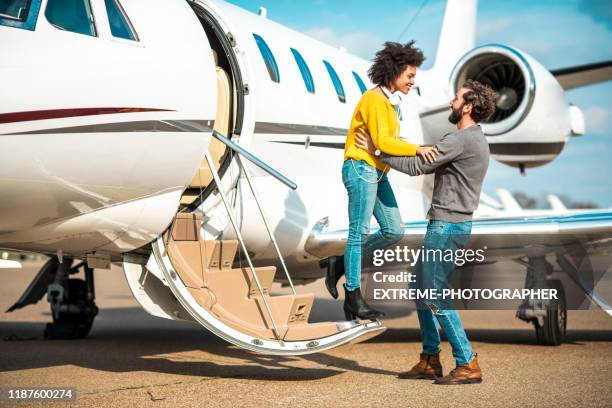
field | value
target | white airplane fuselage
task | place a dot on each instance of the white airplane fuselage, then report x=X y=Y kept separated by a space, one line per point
x=100 y=136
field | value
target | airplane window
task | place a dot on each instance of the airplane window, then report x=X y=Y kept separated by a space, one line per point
x=306 y=75
x=15 y=9
x=119 y=22
x=360 y=83
x=71 y=15
x=19 y=13
x=336 y=80
x=268 y=58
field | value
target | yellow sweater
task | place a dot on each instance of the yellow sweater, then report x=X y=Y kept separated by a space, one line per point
x=377 y=115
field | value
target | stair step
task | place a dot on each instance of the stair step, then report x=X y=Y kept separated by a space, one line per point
x=231 y=294
x=289 y=311
x=204 y=296
x=310 y=331
x=239 y=282
x=186 y=259
x=186 y=227
x=219 y=255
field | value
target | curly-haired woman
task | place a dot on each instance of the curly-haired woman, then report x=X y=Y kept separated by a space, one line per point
x=365 y=176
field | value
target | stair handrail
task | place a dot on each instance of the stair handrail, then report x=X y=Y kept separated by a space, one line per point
x=255 y=160
x=265 y=220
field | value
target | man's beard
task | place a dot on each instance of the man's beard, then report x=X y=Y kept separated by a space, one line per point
x=455 y=115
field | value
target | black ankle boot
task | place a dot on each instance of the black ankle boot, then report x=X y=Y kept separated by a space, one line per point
x=356 y=306
x=335 y=270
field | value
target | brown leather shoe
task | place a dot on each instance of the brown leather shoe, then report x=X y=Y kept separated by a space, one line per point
x=466 y=374
x=428 y=368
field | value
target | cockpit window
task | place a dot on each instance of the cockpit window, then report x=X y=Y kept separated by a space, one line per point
x=71 y=15
x=15 y=9
x=119 y=22
x=268 y=58
x=19 y=13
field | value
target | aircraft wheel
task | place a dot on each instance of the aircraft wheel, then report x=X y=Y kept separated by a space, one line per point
x=552 y=331
x=76 y=314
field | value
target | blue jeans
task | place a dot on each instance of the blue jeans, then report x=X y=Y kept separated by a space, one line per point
x=435 y=274
x=369 y=192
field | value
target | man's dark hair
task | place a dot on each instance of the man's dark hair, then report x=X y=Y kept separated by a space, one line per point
x=392 y=60
x=482 y=98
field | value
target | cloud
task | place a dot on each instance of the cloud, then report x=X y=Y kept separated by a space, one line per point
x=495 y=27
x=360 y=43
x=598 y=119
x=599 y=10
x=558 y=37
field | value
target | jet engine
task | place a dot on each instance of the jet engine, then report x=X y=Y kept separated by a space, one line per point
x=533 y=119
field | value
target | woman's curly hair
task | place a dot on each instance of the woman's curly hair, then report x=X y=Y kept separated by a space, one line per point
x=482 y=98
x=392 y=60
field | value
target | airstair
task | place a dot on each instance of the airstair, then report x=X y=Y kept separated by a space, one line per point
x=236 y=303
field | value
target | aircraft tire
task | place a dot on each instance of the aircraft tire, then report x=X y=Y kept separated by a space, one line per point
x=77 y=323
x=552 y=332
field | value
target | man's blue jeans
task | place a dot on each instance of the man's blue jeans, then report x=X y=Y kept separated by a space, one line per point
x=369 y=192
x=435 y=273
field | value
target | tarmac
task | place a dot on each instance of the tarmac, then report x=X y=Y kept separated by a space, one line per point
x=133 y=359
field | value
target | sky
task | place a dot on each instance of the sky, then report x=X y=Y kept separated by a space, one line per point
x=557 y=33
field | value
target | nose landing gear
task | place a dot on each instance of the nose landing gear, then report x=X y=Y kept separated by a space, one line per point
x=72 y=303
x=72 y=300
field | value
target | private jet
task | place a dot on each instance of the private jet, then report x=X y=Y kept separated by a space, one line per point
x=199 y=146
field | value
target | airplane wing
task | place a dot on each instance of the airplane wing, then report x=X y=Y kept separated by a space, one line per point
x=505 y=238
x=583 y=75
x=569 y=238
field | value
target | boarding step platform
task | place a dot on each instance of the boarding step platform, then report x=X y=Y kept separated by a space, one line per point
x=236 y=304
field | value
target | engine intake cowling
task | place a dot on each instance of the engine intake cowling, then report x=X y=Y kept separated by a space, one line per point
x=532 y=118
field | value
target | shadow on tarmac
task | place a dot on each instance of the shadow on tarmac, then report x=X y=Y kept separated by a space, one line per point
x=130 y=340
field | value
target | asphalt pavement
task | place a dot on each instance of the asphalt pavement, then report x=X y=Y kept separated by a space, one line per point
x=134 y=359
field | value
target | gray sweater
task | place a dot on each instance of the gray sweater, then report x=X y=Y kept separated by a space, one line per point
x=460 y=169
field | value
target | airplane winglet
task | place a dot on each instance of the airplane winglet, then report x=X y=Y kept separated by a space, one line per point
x=508 y=201
x=556 y=203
